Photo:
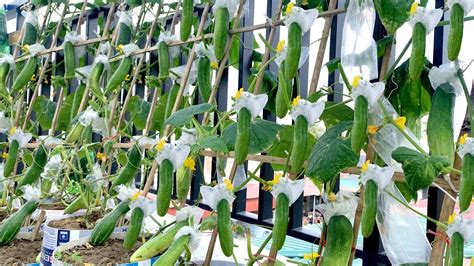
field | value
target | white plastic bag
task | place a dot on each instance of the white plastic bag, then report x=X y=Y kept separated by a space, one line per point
x=359 y=50
x=403 y=238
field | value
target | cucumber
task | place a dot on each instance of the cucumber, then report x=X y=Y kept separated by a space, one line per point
x=157 y=244
x=4 y=70
x=11 y=159
x=359 y=128
x=300 y=142
x=186 y=19
x=224 y=228
x=294 y=51
x=105 y=227
x=204 y=79
x=134 y=229
x=456 y=32
x=129 y=171
x=11 y=226
x=221 y=32
x=76 y=102
x=467 y=182
x=30 y=35
x=280 y=226
x=283 y=95
x=119 y=75
x=25 y=75
x=243 y=136
x=34 y=171
x=440 y=124
x=125 y=35
x=69 y=61
x=338 y=242
x=370 y=208
x=75 y=133
x=165 y=188
x=78 y=204
x=456 y=250
x=183 y=182
x=171 y=256
x=173 y=93
x=94 y=79
x=417 y=59
x=134 y=3
x=163 y=60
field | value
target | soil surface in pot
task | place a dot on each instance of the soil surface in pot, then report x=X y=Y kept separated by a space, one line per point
x=76 y=223
x=111 y=252
x=3 y=216
x=20 y=251
x=53 y=206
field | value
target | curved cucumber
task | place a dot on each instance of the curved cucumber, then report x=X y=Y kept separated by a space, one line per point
x=186 y=19
x=359 y=128
x=224 y=228
x=11 y=226
x=204 y=79
x=11 y=159
x=456 y=250
x=25 y=75
x=76 y=102
x=78 y=204
x=417 y=58
x=280 y=226
x=467 y=182
x=339 y=242
x=39 y=161
x=300 y=142
x=171 y=256
x=105 y=227
x=294 y=51
x=69 y=61
x=221 y=32
x=75 y=133
x=370 y=208
x=165 y=188
x=4 y=70
x=455 y=34
x=119 y=75
x=129 y=171
x=134 y=229
x=94 y=79
x=242 y=140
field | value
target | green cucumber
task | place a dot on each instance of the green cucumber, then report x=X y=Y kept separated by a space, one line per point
x=456 y=31
x=30 y=35
x=359 y=128
x=221 y=32
x=124 y=35
x=4 y=70
x=224 y=228
x=183 y=182
x=338 y=242
x=11 y=159
x=119 y=75
x=78 y=204
x=94 y=79
x=456 y=250
x=69 y=61
x=204 y=78
x=75 y=133
x=163 y=60
x=34 y=171
x=157 y=244
x=294 y=51
x=129 y=171
x=300 y=142
x=165 y=188
x=186 y=19
x=467 y=182
x=171 y=256
x=105 y=227
x=25 y=75
x=370 y=208
x=134 y=229
x=417 y=59
x=242 y=140
x=11 y=226
x=173 y=93
x=283 y=95
x=280 y=226
x=76 y=102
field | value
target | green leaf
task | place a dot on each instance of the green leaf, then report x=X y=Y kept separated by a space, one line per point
x=262 y=135
x=406 y=191
x=331 y=154
x=139 y=110
x=65 y=113
x=44 y=109
x=184 y=116
x=234 y=53
x=420 y=169
x=213 y=142
x=122 y=158
x=336 y=114
x=393 y=13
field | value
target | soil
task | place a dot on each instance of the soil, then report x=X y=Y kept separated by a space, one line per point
x=52 y=206
x=76 y=223
x=20 y=251
x=3 y=216
x=111 y=252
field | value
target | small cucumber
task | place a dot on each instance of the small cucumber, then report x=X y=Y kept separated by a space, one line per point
x=338 y=242
x=300 y=142
x=163 y=61
x=183 y=182
x=224 y=228
x=30 y=35
x=173 y=93
x=243 y=136
x=105 y=227
x=78 y=204
x=119 y=75
x=125 y=35
x=280 y=226
x=204 y=79
x=94 y=79
x=34 y=171
x=129 y=171
x=467 y=182
x=370 y=208
x=134 y=229
x=359 y=128
x=221 y=32
x=165 y=188
x=11 y=159
x=75 y=133
x=69 y=61
x=456 y=32
x=25 y=75
x=417 y=58
x=11 y=226
x=456 y=250
x=294 y=51
x=4 y=70
x=171 y=256
x=76 y=102
x=186 y=19
x=283 y=95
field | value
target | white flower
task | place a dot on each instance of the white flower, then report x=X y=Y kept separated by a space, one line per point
x=189 y=212
x=5 y=123
x=75 y=39
x=203 y=51
x=176 y=154
x=130 y=49
x=213 y=195
x=188 y=137
x=125 y=17
x=125 y=193
x=176 y=73
x=463 y=226
x=145 y=142
x=344 y=203
x=281 y=56
x=304 y=18
x=168 y=38
x=231 y=5
x=95 y=178
x=31 y=193
x=53 y=167
x=146 y=205
x=31 y=17
x=195 y=236
x=8 y=59
x=310 y=111
x=467 y=5
x=466 y=147
x=253 y=103
x=380 y=175
x=291 y=188
x=428 y=17
x=446 y=73
x=18 y=135
x=35 y=49
x=370 y=91
x=88 y=116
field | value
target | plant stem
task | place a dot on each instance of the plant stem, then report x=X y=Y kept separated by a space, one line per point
x=397 y=61
x=468 y=97
x=344 y=77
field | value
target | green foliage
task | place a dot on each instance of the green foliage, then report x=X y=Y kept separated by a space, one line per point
x=393 y=13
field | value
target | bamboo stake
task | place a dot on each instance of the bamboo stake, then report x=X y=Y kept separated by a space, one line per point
x=39 y=221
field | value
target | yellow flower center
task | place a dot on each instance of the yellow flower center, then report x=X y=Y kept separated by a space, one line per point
x=414 y=8
x=239 y=93
x=401 y=122
x=5 y=155
x=295 y=101
x=462 y=139
x=135 y=196
x=120 y=48
x=332 y=197
x=355 y=81
x=214 y=65
x=280 y=46
x=100 y=156
x=289 y=8
x=311 y=256
x=33 y=78
x=12 y=130
x=189 y=163
x=26 y=48
x=372 y=129
x=161 y=145
x=127 y=77
x=228 y=184
x=276 y=179
x=451 y=218
x=365 y=166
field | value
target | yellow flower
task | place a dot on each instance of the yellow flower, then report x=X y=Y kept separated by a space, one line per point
x=120 y=48
x=295 y=101
x=332 y=197
x=214 y=65
x=12 y=130
x=127 y=77
x=239 y=93
x=311 y=256
x=289 y=8
x=276 y=179
x=228 y=184
x=5 y=155
x=414 y=7
x=189 y=163
x=135 y=196
x=372 y=129
x=280 y=46
x=451 y=218
x=401 y=122
x=25 y=48
x=161 y=145
x=100 y=156
x=355 y=81
x=365 y=166
x=33 y=78
x=462 y=139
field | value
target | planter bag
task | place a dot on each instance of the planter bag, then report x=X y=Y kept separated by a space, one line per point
x=402 y=236
x=359 y=50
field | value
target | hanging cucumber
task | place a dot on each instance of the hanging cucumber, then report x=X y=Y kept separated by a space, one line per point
x=25 y=75
x=224 y=228
x=204 y=78
x=80 y=203
x=370 y=208
x=134 y=229
x=300 y=142
x=281 y=221
x=467 y=182
x=76 y=102
x=12 y=225
x=69 y=61
x=359 y=128
x=94 y=79
x=105 y=227
x=163 y=60
x=417 y=59
x=34 y=171
x=242 y=140
x=171 y=256
x=173 y=93
x=294 y=51
x=125 y=34
x=11 y=159
x=282 y=100
x=4 y=70
x=183 y=182
x=165 y=188
x=338 y=242
x=119 y=75
x=456 y=250
x=129 y=171
x=221 y=32
x=30 y=33
x=186 y=19
x=456 y=31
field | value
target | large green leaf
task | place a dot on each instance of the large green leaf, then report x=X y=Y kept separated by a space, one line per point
x=336 y=113
x=331 y=154
x=262 y=135
x=44 y=109
x=420 y=169
x=139 y=110
x=213 y=142
x=65 y=113
x=184 y=116
x=393 y=13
